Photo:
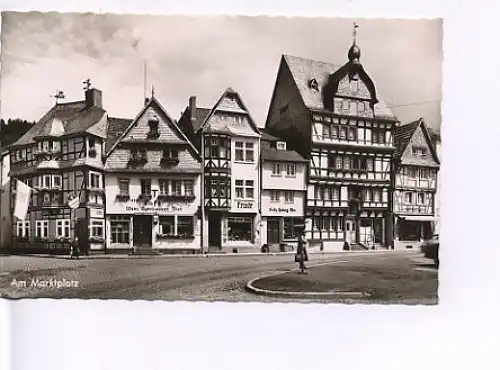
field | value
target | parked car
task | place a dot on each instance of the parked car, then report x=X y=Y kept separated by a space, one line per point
x=430 y=249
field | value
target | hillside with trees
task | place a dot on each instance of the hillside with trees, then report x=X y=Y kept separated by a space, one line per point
x=13 y=129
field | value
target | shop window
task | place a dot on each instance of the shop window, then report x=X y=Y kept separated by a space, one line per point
x=62 y=228
x=291 y=227
x=120 y=229
x=42 y=229
x=185 y=226
x=240 y=229
x=23 y=229
x=96 y=228
x=167 y=225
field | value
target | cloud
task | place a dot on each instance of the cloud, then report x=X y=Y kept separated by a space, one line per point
x=202 y=56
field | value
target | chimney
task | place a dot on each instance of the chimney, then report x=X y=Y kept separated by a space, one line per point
x=93 y=98
x=192 y=108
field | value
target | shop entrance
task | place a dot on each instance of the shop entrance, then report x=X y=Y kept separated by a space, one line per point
x=273 y=231
x=214 y=230
x=143 y=231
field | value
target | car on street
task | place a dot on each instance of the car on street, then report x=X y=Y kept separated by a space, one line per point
x=430 y=248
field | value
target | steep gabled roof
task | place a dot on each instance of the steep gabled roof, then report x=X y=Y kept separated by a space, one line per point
x=154 y=101
x=116 y=126
x=304 y=70
x=404 y=133
x=272 y=154
x=264 y=136
x=229 y=91
x=59 y=112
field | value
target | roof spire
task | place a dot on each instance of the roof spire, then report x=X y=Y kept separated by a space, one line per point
x=354 y=32
x=354 y=51
x=152 y=91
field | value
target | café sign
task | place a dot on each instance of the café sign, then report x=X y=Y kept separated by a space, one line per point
x=154 y=209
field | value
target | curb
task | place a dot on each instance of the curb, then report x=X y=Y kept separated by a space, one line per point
x=304 y=295
x=211 y=255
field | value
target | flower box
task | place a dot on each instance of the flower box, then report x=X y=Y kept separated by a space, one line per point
x=166 y=161
x=174 y=237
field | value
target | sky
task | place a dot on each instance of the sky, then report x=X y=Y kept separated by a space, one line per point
x=202 y=56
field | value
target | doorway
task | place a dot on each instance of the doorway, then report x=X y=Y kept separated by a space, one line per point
x=273 y=231
x=350 y=231
x=143 y=231
x=214 y=230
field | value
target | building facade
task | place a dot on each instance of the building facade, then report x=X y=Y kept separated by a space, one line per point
x=153 y=191
x=61 y=157
x=283 y=190
x=416 y=169
x=229 y=142
x=333 y=116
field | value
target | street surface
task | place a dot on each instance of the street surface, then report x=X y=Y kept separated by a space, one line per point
x=180 y=278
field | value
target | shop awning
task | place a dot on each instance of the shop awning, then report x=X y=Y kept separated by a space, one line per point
x=418 y=218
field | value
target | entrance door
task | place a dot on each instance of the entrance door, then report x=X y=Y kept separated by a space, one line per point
x=350 y=230
x=143 y=231
x=214 y=230
x=273 y=231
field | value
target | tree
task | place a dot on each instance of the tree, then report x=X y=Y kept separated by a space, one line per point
x=13 y=129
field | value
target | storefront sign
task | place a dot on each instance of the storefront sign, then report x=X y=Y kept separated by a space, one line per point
x=282 y=210
x=154 y=209
x=96 y=213
x=244 y=205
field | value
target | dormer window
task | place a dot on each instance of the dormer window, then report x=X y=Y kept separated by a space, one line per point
x=281 y=145
x=138 y=156
x=419 y=151
x=92 y=150
x=153 y=128
x=170 y=153
x=313 y=84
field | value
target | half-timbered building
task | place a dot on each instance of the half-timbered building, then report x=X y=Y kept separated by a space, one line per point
x=416 y=169
x=283 y=191
x=228 y=139
x=152 y=185
x=61 y=157
x=333 y=116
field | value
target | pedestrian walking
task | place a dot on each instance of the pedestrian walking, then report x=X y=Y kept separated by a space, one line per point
x=75 y=248
x=301 y=256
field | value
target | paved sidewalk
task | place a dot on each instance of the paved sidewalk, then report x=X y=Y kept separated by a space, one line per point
x=395 y=278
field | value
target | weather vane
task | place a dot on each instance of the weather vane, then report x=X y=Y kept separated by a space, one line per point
x=86 y=84
x=354 y=32
x=58 y=95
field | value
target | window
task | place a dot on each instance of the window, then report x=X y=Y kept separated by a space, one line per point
x=290 y=227
x=275 y=196
x=240 y=229
x=345 y=104
x=419 y=151
x=96 y=228
x=281 y=145
x=369 y=164
x=290 y=170
x=57 y=181
x=124 y=187
x=421 y=198
x=167 y=225
x=378 y=136
x=288 y=196
x=189 y=188
x=23 y=229
x=170 y=153
x=120 y=229
x=352 y=133
x=249 y=157
x=62 y=228
x=45 y=146
x=343 y=133
x=95 y=198
x=239 y=151
x=376 y=195
x=326 y=131
x=146 y=186
x=239 y=189
x=347 y=163
x=424 y=173
x=42 y=229
x=95 y=180
x=335 y=132
x=361 y=107
x=47 y=181
x=318 y=192
x=163 y=184
x=176 y=187
x=338 y=163
x=92 y=150
x=409 y=198
x=249 y=189
x=334 y=193
x=185 y=225
x=214 y=147
x=153 y=127
x=276 y=169
x=412 y=172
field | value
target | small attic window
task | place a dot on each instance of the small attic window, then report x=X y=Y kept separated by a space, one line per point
x=153 y=127
x=313 y=84
x=281 y=145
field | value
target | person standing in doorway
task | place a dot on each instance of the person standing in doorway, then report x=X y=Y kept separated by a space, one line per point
x=301 y=256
